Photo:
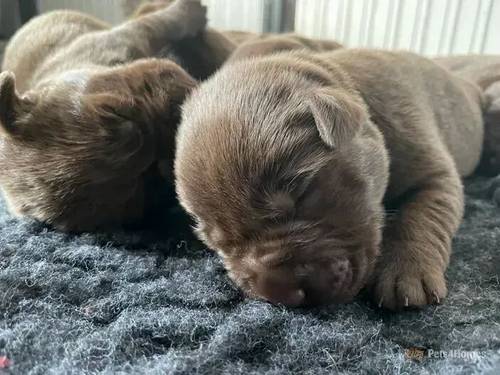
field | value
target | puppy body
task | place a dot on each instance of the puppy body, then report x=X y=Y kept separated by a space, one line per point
x=87 y=119
x=201 y=54
x=290 y=171
x=67 y=41
x=267 y=44
x=239 y=36
x=483 y=70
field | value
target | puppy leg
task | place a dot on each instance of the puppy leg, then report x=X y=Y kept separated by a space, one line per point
x=150 y=7
x=490 y=162
x=182 y=19
x=417 y=244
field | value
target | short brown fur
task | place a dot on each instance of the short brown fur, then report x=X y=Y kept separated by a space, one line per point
x=483 y=70
x=86 y=115
x=267 y=44
x=320 y=174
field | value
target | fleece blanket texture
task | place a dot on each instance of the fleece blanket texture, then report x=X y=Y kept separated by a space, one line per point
x=156 y=302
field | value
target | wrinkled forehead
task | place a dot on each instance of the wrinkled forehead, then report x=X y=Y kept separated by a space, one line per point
x=241 y=207
x=248 y=168
x=245 y=151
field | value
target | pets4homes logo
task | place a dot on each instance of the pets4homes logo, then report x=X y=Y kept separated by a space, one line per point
x=419 y=354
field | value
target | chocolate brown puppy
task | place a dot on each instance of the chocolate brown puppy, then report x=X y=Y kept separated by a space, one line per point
x=320 y=174
x=483 y=70
x=85 y=116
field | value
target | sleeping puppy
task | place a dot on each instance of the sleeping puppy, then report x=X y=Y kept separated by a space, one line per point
x=85 y=116
x=320 y=174
x=483 y=70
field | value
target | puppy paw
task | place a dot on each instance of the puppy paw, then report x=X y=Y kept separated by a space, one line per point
x=398 y=286
x=193 y=15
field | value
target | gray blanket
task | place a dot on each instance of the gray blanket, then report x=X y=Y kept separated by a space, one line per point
x=155 y=302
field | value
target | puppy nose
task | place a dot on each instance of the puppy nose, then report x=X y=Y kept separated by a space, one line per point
x=326 y=282
x=277 y=291
x=310 y=284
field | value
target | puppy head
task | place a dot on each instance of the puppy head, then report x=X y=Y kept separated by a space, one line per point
x=285 y=181
x=77 y=151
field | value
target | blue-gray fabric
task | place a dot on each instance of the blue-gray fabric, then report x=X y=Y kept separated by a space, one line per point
x=150 y=303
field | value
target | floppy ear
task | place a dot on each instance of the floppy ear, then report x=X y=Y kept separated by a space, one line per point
x=338 y=115
x=122 y=141
x=11 y=104
x=9 y=101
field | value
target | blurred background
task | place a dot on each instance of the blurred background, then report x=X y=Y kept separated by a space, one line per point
x=431 y=27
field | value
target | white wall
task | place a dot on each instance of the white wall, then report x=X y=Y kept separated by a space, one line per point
x=236 y=14
x=223 y=14
x=107 y=10
x=432 y=27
